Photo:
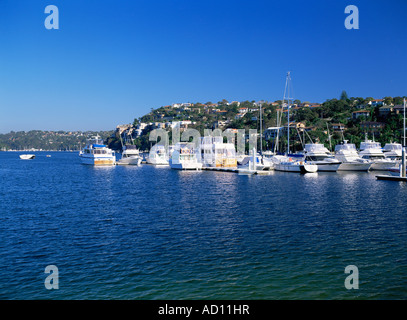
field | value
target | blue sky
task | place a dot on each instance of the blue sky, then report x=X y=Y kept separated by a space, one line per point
x=112 y=61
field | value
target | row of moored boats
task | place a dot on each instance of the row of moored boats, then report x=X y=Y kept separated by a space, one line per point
x=213 y=152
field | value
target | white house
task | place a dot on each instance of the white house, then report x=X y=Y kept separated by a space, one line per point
x=376 y=102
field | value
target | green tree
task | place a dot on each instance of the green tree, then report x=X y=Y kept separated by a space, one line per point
x=388 y=100
x=344 y=95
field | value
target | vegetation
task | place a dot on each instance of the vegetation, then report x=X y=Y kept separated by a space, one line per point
x=318 y=122
x=330 y=123
x=47 y=140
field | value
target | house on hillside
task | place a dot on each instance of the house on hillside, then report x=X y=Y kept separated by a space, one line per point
x=385 y=110
x=338 y=126
x=399 y=109
x=298 y=125
x=316 y=105
x=371 y=126
x=219 y=124
x=376 y=102
x=360 y=113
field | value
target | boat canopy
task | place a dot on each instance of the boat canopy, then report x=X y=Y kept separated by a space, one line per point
x=131 y=147
x=370 y=145
x=392 y=146
x=346 y=146
x=315 y=148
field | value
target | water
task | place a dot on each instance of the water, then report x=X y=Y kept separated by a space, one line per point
x=146 y=232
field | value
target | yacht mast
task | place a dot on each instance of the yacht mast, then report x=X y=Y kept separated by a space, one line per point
x=289 y=102
x=403 y=160
x=329 y=137
x=404 y=124
x=261 y=134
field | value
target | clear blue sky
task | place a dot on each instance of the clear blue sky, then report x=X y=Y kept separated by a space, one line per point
x=112 y=61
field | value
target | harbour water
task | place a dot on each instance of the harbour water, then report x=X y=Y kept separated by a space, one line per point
x=128 y=232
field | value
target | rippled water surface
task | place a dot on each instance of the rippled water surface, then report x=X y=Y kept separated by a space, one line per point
x=154 y=233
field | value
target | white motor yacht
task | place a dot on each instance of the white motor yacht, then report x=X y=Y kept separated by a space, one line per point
x=372 y=151
x=351 y=161
x=130 y=156
x=215 y=153
x=184 y=157
x=158 y=156
x=318 y=154
x=289 y=164
x=393 y=151
x=96 y=153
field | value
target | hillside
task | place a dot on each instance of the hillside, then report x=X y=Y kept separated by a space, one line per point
x=47 y=140
x=330 y=122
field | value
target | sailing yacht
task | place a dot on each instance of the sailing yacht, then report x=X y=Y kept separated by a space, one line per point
x=351 y=161
x=318 y=154
x=287 y=163
x=371 y=150
x=96 y=153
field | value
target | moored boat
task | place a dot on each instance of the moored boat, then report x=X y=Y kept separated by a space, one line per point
x=318 y=154
x=184 y=157
x=289 y=164
x=157 y=156
x=217 y=154
x=372 y=151
x=351 y=161
x=130 y=156
x=96 y=153
x=393 y=151
x=27 y=156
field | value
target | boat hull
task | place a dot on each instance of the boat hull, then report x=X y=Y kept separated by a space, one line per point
x=157 y=162
x=135 y=161
x=308 y=168
x=383 y=166
x=186 y=166
x=27 y=156
x=302 y=168
x=99 y=161
x=350 y=166
x=326 y=166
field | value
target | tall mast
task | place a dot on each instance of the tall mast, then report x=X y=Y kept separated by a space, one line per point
x=287 y=97
x=403 y=161
x=261 y=134
x=404 y=124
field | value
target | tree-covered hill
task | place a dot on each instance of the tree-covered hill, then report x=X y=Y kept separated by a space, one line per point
x=48 y=140
x=329 y=122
